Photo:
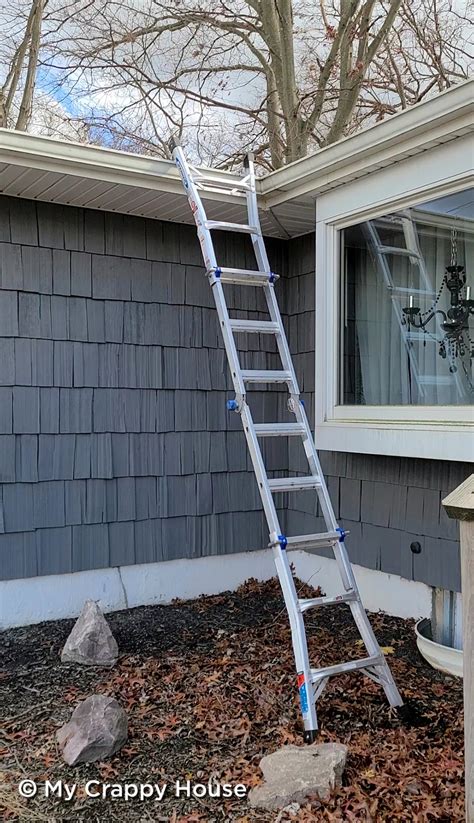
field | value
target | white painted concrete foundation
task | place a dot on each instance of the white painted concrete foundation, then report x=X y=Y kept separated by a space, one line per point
x=35 y=599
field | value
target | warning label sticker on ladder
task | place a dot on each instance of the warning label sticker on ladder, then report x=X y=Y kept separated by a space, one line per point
x=303 y=693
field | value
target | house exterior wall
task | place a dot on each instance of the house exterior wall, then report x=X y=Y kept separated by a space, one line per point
x=387 y=503
x=116 y=447
x=115 y=444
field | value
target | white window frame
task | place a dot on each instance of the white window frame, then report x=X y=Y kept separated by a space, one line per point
x=437 y=432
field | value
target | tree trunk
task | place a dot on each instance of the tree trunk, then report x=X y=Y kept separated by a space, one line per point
x=352 y=76
x=26 y=105
x=274 y=123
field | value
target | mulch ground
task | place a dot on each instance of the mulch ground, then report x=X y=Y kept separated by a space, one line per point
x=209 y=688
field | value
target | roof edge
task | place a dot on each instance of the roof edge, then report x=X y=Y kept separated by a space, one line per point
x=439 y=119
x=448 y=115
x=94 y=162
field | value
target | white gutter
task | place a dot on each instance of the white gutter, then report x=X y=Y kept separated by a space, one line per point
x=444 y=117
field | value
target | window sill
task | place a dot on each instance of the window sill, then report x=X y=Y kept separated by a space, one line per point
x=425 y=439
x=446 y=416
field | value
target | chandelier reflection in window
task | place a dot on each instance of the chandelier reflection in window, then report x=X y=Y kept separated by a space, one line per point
x=456 y=342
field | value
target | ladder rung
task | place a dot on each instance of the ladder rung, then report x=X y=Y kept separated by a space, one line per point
x=246 y=277
x=401 y=290
x=237 y=191
x=313 y=602
x=279 y=429
x=340 y=668
x=257 y=376
x=254 y=326
x=229 y=186
x=224 y=226
x=398 y=250
x=294 y=484
x=305 y=542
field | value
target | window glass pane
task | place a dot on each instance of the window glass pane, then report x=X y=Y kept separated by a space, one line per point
x=407 y=306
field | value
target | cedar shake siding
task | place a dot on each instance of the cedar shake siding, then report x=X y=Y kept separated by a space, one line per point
x=115 y=443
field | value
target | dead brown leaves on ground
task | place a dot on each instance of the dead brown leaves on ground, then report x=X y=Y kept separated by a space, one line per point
x=209 y=688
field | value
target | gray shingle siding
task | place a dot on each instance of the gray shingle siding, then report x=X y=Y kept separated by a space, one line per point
x=112 y=378
x=115 y=443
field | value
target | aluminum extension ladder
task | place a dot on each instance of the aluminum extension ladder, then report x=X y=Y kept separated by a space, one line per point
x=311 y=681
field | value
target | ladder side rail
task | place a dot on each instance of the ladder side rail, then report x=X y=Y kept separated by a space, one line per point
x=209 y=255
x=412 y=241
x=298 y=640
x=254 y=220
x=371 y=644
x=315 y=466
x=260 y=472
x=229 y=340
x=264 y=266
x=383 y=266
x=340 y=553
x=282 y=563
x=269 y=291
x=344 y=566
x=309 y=446
x=197 y=208
x=281 y=340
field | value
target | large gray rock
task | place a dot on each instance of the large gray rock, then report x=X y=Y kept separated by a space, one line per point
x=97 y=729
x=91 y=642
x=293 y=773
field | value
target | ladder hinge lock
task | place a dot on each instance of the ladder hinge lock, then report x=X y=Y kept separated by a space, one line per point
x=342 y=535
x=272 y=277
x=282 y=541
x=217 y=272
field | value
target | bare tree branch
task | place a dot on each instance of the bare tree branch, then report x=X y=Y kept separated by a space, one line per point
x=285 y=77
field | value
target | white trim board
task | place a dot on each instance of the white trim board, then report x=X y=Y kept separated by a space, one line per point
x=429 y=432
x=54 y=597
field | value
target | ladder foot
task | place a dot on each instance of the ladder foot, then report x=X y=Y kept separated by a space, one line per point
x=310 y=735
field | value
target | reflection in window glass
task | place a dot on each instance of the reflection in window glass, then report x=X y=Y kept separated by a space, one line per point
x=407 y=306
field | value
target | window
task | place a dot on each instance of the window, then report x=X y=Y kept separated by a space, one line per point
x=399 y=346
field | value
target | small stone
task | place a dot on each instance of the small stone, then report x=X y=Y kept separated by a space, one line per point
x=97 y=729
x=293 y=808
x=91 y=642
x=293 y=773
